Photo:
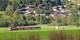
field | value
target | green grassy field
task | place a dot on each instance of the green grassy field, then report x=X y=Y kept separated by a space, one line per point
x=44 y=31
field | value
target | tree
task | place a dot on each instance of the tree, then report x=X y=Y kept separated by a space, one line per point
x=9 y=10
x=3 y=5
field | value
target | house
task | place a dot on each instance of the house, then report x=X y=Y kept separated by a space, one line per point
x=30 y=6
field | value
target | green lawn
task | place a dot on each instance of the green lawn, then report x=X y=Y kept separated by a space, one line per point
x=44 y=31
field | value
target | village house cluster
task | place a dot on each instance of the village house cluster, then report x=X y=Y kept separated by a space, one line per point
x=56 y=11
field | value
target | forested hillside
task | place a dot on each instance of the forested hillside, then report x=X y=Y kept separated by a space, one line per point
x=10 y=15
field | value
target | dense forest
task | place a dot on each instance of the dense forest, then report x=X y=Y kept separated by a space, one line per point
x=9 y=15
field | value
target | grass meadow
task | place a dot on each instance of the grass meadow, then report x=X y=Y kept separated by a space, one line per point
x=43 y=33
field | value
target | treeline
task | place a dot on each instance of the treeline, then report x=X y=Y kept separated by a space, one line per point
x=22 y=3
x=10 y=17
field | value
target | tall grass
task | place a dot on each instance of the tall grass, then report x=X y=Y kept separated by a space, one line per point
x=27 y=36
x=77 y=37
x=34 y=36
x=53 y=35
